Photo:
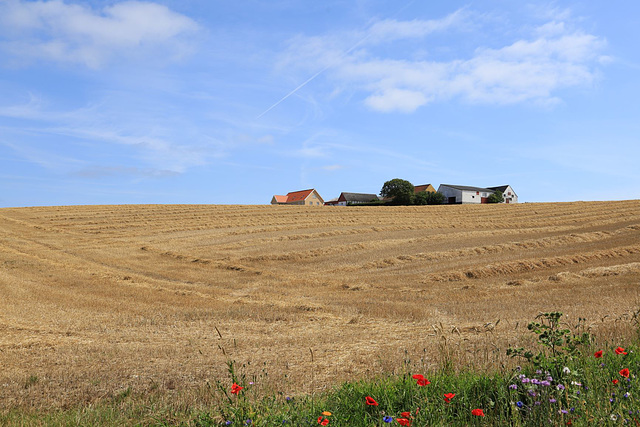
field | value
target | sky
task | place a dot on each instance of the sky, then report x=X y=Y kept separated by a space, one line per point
x=231 y=102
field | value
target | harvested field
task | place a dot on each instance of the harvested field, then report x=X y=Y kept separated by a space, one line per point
x=95 y=300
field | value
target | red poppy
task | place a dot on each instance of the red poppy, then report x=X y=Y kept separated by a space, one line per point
x=448 y=397
x=624 y=372
x=370 y=401
x=598 y=354
x=421 y=380
x=478 y=412
x=323 y=422
x=620 y=350
x=406 y=414
x=235 y=388
x=403 y=421
x=615 y=381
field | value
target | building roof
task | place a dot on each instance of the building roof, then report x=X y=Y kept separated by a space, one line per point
x=500 y=188
x=420 y=188
x=358 y=197
x=468 y=188
x=280 y=199
x=297 y=196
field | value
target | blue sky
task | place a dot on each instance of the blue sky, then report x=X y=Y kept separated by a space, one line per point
x=214 y=101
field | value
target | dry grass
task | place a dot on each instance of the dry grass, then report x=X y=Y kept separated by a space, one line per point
x=98 y=299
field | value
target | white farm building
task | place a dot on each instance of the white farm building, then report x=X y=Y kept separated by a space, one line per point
x=466 y=194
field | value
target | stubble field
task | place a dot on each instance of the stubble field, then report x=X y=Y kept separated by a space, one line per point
x=155 y=299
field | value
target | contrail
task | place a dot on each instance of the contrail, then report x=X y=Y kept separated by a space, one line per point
x=327 y=67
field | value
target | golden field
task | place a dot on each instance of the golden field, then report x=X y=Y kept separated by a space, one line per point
x=95 y=300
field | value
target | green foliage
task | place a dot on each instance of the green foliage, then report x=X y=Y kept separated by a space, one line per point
x=399 y=190
x=496 y=197
x=428 y=198
x=559 y=343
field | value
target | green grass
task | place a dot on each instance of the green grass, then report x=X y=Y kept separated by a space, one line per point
x=556 y=385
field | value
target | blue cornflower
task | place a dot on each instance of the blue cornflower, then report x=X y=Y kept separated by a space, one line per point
x=387 y=419
x=519 y=404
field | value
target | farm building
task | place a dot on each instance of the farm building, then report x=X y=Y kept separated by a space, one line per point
x=466 y=194
x=353 y=199
x=426 y=187
x=305 y=197
x=510 y=196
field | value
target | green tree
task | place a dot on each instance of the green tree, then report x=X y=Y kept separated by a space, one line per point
x=496 y=197
x=399 y=190
x=429 y=198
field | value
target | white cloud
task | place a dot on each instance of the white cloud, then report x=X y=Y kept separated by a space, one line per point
x=390 y=29
x=552 y=56
x=401 y=100
x=72 y=33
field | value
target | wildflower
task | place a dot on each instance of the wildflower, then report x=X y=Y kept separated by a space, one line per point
x=406 y=414
x=563 y=411
x=620 y=350
x=519 y=404
x=549 y=378
x=598 y=354
x=615 y=381
x=228 y=423
x=560 y=387
x=323 y=421
x=235 y=388
x=526 y=380
x=421 y=380
x=478 y=412
x=552 y=400
x=626 y=395
x=614 y=417
x=576 y=383
x=624 y=372
x=370 y=401
x=248 y=422
x=538 y=372
x=537 y=403
x=448 y=397
x=326 y=413
x=535 y=381
x=532 y=393
x=566 y=370
x=545 y=383
x=288 y=398
x=513 y=387
x=387 y=419
x=403 y=421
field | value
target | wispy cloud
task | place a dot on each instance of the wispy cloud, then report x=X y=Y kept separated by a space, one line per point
x=553 y=55
x=73 y=33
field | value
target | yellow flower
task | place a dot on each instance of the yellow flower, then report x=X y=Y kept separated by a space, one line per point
x=326 y=413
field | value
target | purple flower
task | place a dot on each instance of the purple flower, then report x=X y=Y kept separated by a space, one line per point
x=537 y=403
x=535 y=381
x=228 y=423
x=513 y=387
x=626 y=395
x=248 y=422
x=563 y=411
x=539 y=372
x=560 y=387
x=552 y=400
x=549 y=378
x=526 y=380
x=611 y=400
x=545 y=383
x=532 y=393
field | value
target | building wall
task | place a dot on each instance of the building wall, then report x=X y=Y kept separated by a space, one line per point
x=513 y=197
x=448 y=192
x=474 y=196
